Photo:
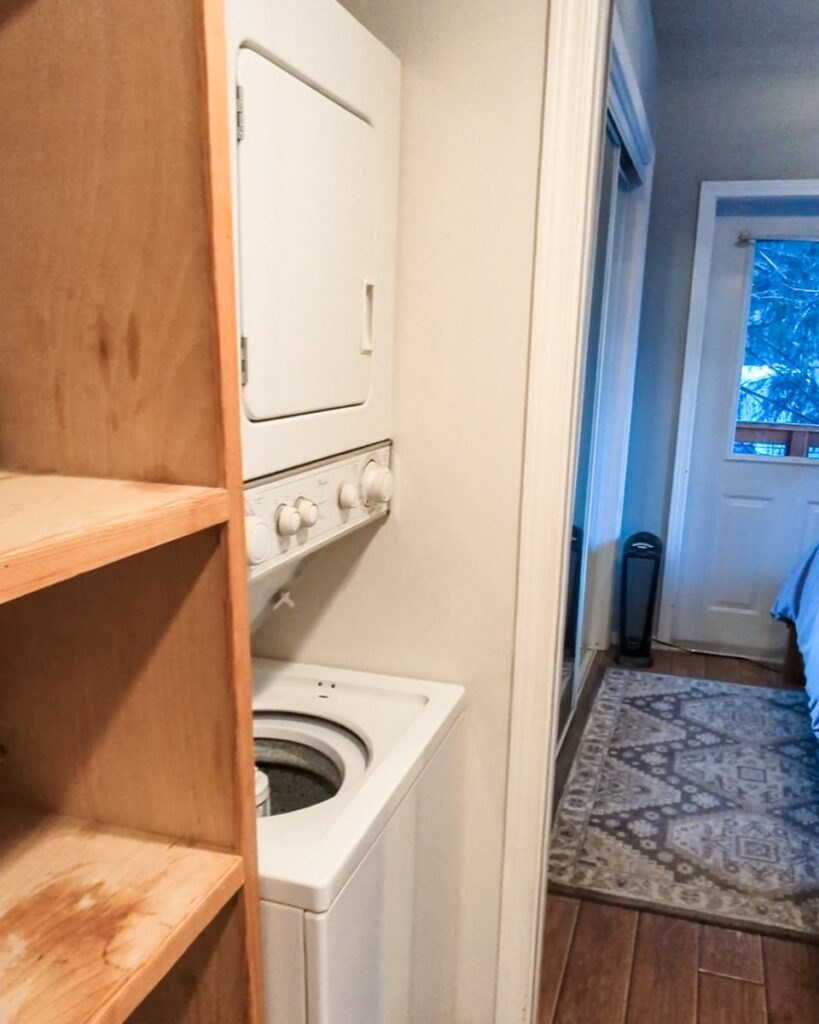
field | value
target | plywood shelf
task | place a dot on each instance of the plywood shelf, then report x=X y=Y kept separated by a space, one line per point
x=55 y=527
x=91 y=918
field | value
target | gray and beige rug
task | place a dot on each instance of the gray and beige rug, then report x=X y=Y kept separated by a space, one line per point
x=697 y=797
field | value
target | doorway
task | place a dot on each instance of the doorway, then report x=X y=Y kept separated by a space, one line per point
x=744 y=504
x=606 y=393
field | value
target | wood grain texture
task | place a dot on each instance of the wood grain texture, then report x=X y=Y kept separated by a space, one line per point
x=728 y=1001
x=118 y=360
x=792 y=981
x=91 y=918
x=596 y=981
x=122 y=708
x=108 y=349
x=664 y=973
x=220 y=214
x=728 y=670
x=561 y=918
x=55 y=527
x=732 y=953
x=209 y=983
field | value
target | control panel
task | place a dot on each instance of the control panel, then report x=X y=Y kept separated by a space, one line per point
x=294 y=513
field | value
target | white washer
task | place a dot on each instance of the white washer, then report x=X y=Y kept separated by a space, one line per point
x=359 y=891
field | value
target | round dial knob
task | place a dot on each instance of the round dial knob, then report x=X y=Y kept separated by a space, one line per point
x=376 y=483
x=288 y=520
x=348 y=496
x=257 y=538
x=308 y=510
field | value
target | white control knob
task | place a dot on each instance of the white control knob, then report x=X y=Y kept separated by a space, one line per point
x=288 y=520
x=308 y=510
x=376 y=484
x=257 y=538
x=348 y=496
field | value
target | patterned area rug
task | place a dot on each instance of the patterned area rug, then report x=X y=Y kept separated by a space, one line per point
x=695 y=797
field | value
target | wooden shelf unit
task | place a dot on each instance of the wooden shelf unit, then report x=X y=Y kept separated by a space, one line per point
x=125 y=693
x=55 y=527
x=92 y=917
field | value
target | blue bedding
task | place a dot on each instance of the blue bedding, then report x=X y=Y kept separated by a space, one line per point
x=798 y=601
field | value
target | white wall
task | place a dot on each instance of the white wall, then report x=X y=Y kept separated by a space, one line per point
x=738 y=113
x=432 y=593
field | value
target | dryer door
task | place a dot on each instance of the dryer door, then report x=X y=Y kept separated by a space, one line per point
x=307 y=244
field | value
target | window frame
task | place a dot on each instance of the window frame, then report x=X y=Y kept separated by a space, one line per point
x=742 y=333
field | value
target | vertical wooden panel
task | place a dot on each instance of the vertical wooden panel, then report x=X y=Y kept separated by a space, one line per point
x=732 y=953
x=220 y=212
x=664 y=975
x=596 y=982
x=561 y=917
x=728 y=670
x=690 y=665
x=108 y=350
x=728 y=1001
x=209 y=984
x=123 y=708
x=792 y=979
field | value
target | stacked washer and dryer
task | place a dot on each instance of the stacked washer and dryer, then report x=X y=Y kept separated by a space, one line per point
x=358 y=773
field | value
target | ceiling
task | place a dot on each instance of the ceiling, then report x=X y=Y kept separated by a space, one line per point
x=736 y=23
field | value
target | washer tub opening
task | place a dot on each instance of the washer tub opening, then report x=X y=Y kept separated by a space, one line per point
x=300 y=776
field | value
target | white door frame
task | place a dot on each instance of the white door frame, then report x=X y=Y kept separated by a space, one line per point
x=620 y=330
x=712 y=193
x=573 y=110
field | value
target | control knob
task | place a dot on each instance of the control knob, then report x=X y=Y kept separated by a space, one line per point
x=257 y=538
x=288 y=520
x=376 y=483
x=308 y=510
x=348 y=496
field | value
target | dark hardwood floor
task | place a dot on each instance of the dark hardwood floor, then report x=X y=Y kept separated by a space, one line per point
x=604 y=964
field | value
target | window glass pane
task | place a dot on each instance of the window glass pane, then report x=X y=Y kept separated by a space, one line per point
x=767 y=448
x=780 y=370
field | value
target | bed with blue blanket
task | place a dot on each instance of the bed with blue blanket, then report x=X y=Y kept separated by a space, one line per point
x=798 y=606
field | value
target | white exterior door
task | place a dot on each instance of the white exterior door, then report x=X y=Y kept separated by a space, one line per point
x=747 y=517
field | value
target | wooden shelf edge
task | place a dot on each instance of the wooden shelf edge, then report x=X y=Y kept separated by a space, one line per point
x=53 y=527
x=93 y=917
x=123 y=1002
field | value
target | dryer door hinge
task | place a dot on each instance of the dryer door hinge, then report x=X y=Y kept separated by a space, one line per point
x=243 y=360
x=240 y=113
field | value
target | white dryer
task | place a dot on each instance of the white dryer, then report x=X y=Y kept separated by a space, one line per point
x=359 y=870
x=315 y=118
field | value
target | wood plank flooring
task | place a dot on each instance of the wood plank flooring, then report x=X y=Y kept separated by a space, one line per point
x=610 y=965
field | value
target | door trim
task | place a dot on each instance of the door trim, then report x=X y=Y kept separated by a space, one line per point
x=573 y=111
x=712 y=193
x=625 y=103
x=613 y=415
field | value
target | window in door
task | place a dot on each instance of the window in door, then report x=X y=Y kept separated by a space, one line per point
x=778 y=402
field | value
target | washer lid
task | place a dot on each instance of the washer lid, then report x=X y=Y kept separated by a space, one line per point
x=305 y=858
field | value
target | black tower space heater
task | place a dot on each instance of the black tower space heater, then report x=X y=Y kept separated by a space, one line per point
x=639 y=575
x=573 y=596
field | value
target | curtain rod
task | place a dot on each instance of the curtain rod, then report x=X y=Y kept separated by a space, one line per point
x=746 y=238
